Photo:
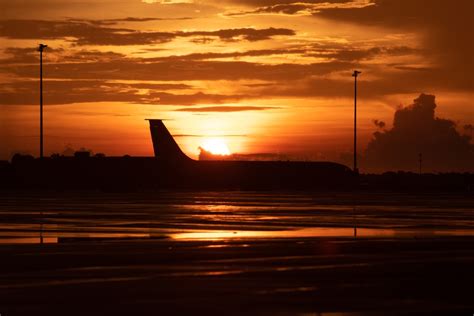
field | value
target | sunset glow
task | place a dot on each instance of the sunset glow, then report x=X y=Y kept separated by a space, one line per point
x=270 y=76
x=236 y=157
x=216 y=146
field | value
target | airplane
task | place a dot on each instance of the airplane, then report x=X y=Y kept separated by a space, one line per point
x=246 y=174
x=170 y=168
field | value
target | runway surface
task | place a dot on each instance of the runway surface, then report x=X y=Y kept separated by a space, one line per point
x=234 y=253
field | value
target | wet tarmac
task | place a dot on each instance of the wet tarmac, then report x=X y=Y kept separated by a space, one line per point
x=234 y=253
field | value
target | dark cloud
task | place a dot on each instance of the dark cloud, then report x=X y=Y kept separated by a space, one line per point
x=190 y=99
x=128 y=19
x=29 y=55
x=409 y=68
x=402 y=13
x=92 y=76
x=226 y=108
x=213 y=55
x=122 y=38
x=159 y=86
x=249 y=34
x=38 y=29
x=78 y=91
x=20 y=56
x=99 y=69
x=85 y=33
x=380 y=82
x=141 y=69
x=260 y=3
x=416 y=130
x=290 y=8
x=446 y=28
x=66 y=92
x=87 y=56
x=347 y=53
x=298 y=8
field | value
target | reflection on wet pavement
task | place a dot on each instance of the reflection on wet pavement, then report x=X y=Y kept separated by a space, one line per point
x=229 y=215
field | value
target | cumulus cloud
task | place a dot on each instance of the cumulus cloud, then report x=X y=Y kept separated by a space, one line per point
x=416 y=130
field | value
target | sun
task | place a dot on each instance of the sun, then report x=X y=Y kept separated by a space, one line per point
x=216 y=146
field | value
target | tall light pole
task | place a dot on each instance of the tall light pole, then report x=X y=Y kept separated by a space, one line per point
x=40 y=49
x=355 y=74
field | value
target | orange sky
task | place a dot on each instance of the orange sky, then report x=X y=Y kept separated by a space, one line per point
x=267 y=76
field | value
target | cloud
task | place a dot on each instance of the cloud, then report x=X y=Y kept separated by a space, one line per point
x=376 y=82
x=348 y=53
x=79 y=75
x=261 y=3
x=436 y=21
x=416 y=130
x=108 y=22
x=302 y=8
x=433 y=22
x=142 y=69
x=249 y=34
x=38 y=29
x=328 y=78
x=65 y=92
x=167 y=1
x=226 y=108
x=79 y=91
x=236 y=54
x=29 y=55
x=75 y=76
x=190 y=99
x=83 y=32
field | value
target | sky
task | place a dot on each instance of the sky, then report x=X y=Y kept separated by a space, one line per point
x=269 y=77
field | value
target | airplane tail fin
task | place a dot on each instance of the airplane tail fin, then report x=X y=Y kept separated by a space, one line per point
x=164 y=145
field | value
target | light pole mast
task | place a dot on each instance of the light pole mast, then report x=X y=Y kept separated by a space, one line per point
x=40 y=49
x=355 y=74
